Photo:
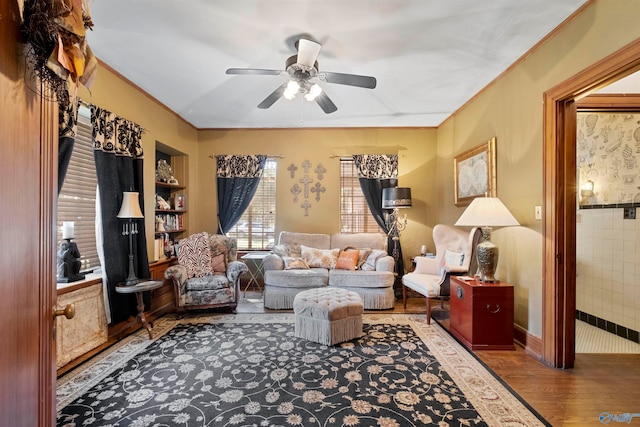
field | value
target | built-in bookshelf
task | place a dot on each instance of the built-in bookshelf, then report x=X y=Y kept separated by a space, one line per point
x=171 y=213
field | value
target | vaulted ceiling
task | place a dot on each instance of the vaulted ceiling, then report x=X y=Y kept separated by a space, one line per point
x=429 y=56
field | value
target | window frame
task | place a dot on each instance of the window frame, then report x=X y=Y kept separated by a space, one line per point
x=355 y=215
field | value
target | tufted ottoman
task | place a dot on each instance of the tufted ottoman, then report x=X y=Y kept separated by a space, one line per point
x=328 y=315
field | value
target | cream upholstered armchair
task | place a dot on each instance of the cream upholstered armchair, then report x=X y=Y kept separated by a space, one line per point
x=207 y=274
x=455 y=254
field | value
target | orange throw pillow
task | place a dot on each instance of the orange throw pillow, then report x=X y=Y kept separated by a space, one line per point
x=347 y=260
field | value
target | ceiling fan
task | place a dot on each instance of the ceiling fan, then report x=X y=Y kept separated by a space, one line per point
x=303 y=78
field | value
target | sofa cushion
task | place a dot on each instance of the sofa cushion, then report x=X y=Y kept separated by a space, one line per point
x=348 y=259
x=292 y=250
x=425 y=284
x=195 y=255
x=320 y=241
x=311 y=278
x=219 y=263
x=361 y=279
x=291 y=263
x=370 y=263
x=319 y=258
x=206 y=283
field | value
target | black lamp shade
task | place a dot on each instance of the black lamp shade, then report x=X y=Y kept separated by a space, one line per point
x=396 y=197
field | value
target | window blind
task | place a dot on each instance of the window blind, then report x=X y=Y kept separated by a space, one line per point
x=355 y=216
x=77 y=198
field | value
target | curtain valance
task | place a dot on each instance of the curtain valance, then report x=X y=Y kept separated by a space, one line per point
x=376 y=166
x=116 y=135
x=240 y=166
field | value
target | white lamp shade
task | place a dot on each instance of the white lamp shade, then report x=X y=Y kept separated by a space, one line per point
x=130 y=206
x=307 y=52
x=486 y=212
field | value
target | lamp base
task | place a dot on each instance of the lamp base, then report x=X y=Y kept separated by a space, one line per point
x=487 y=255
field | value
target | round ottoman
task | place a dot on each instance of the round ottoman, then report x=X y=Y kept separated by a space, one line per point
x=328 y=315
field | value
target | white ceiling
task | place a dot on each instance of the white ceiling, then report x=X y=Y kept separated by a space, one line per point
x=429 y=56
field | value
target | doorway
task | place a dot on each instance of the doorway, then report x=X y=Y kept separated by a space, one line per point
x=560 y=191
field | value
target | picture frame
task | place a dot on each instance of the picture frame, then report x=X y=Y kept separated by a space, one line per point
x=475 y=173
x=180 y=202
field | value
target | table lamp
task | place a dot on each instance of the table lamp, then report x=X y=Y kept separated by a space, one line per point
x=486 y=212
x=130 y=210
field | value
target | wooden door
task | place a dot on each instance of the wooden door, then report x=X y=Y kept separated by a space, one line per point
x=28 y=164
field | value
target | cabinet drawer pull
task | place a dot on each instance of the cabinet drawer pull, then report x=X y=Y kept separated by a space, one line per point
x=497 y=309
x=460 y=292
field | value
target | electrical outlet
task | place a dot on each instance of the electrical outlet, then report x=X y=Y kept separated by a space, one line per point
x=538 y=210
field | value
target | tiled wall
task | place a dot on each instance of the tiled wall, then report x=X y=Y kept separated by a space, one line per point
x=608 y=266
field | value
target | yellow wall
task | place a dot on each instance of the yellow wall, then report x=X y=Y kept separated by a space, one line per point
x=510 y=109
x=110 y=91
x=415 y=147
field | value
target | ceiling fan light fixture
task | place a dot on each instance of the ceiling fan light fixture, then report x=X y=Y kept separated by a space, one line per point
x=313 y=92
x=293 y=87
x=308 y=52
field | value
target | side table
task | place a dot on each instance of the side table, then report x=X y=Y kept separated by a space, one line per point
x=482 y=314
x=255 y=260
x=138 y=289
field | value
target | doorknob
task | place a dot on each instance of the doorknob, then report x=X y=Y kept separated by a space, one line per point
x=69 y=311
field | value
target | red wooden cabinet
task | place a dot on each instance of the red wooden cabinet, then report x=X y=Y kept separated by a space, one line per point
x=482 y=314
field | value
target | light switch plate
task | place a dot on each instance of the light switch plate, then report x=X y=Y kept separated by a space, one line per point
x=538 y=210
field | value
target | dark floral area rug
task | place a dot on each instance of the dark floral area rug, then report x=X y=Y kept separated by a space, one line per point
x=249 y=370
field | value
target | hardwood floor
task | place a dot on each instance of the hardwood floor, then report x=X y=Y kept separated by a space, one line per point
x=599 y=383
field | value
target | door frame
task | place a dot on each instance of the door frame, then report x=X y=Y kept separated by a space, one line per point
x=560 y=199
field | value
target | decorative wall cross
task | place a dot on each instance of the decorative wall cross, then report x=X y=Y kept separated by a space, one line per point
x=307 y=182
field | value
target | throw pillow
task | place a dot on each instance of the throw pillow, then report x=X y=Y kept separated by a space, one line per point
x=292 y=251
x=370 y=264
x=194 y=254
x=348 y=259
x=319 y=258
x=218 y=263
x=291 y=263
x=452 y=259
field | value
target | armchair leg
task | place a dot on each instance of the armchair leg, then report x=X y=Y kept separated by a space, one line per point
x=428 y=310
x=404 y=296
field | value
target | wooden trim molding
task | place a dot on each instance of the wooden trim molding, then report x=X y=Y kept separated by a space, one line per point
x=532 y=344
x=608 y=102
x=559 y=189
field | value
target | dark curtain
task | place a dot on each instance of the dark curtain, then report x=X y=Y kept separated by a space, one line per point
x=375 y=172
x=237 y=179
x=67 y=126
x=119 y=165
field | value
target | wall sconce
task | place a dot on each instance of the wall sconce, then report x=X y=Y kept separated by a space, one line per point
x=395 y=198
x=130 y=210
x=586 y=191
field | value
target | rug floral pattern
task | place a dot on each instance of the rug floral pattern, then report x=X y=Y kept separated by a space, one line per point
x=248 y=374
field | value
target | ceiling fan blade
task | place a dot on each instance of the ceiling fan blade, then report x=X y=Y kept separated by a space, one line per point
x=348 y=79
x=273 y=97
x=308 y=52
x=326 y=103
x=258 y=71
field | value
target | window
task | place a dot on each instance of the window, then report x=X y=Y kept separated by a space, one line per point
x=355 y=216
x=256 y=228
x=77 y=199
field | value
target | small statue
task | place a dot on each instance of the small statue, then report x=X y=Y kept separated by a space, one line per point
x=162 y=203
x=68 y=262
x=160 y=224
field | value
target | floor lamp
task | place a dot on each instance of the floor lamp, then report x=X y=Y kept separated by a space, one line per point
x=396 y=198
x=486 y=212
x=130 y=211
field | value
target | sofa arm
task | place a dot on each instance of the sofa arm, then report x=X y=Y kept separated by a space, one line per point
x=385 y=263
x=235 y=269
x=178 y=275
x=273 y=262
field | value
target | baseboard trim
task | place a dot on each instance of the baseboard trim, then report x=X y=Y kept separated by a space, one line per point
x=611 y=327
x=532 y=344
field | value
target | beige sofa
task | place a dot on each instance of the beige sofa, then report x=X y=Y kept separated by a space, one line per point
x=285 y=273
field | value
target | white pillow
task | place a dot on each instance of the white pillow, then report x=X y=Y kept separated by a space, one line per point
x=323 y=258
x=453 y=259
